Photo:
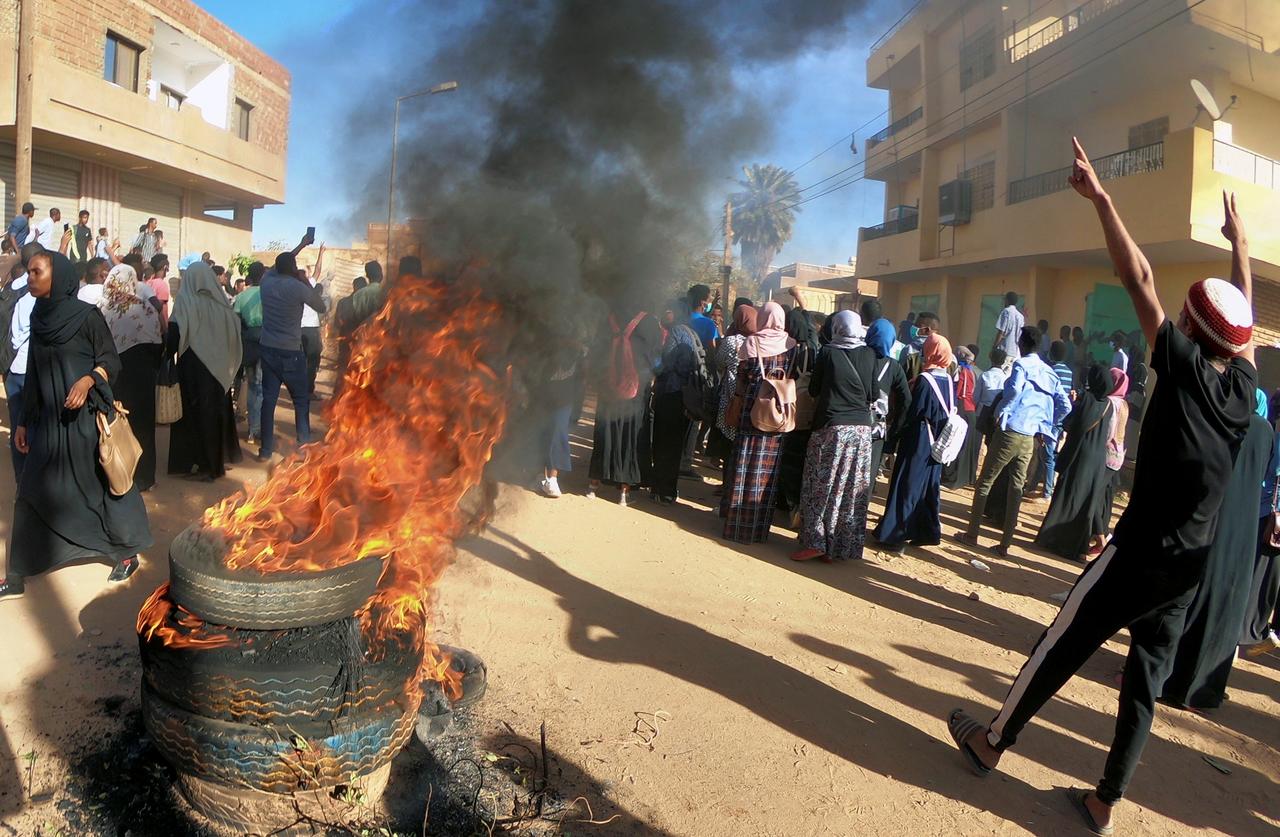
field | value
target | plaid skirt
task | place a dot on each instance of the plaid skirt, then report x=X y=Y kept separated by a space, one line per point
x=837 y=491
x=747 y=504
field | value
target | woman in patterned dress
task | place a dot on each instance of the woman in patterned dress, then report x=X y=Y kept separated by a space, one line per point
x=752 y=489
x=837 y=468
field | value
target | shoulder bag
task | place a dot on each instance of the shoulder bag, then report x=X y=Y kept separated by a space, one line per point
x=168 y=396
x=118 y=450
x=946 y=448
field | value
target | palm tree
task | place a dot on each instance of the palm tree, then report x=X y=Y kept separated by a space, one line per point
x=763 y=216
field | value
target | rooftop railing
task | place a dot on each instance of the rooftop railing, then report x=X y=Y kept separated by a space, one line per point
x=1061 y=27
x=893 y=30
x=1134 y=161
x=897 y=125
x=1244 y=164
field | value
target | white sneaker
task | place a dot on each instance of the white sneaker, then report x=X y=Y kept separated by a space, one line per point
x=550 y=486
x=624 y=498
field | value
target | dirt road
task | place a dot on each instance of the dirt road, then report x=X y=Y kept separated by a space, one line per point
x=694 y=687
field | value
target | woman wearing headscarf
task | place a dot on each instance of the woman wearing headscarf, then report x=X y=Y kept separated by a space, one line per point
x=204 y=333
x=135 y=328
x=1261 y=619
x=1207 y=649
x=893 y=393
x=1079 y=515
x=744 y=325
x=837 y=468
x=796 y=443
x=963 y=472
x=618 y=446
x=912 y=511
x=64 y=510
x=749 y=497
x=683 y=360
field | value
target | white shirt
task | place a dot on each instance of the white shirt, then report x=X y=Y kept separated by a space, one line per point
x=91 y=294
x=310 y=318
x=44 y=234
x=1010 y=324
x=1120 y=360
x=20 y=327
x=102 y=250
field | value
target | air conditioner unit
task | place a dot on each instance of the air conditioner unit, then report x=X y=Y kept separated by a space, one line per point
x=955 y=203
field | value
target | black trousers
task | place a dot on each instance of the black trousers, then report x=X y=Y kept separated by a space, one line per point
x=670 y=426
x=313 y=347
x=1149 y=594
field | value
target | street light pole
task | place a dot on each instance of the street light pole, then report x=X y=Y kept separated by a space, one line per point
x=444 y=87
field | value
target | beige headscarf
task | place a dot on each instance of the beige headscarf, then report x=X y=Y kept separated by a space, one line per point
x=206 y=324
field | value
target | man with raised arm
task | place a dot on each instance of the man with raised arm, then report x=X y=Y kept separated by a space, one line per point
x=1153 y=564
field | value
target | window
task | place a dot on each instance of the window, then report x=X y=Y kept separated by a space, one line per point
x=978 y=58
x=221 y=211
x=983 y=178
x=171 y=98
x=242 y=114
x=1148 y=133
x=120 y=62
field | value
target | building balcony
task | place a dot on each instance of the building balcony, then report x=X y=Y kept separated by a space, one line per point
x=908 y=219
x=897 y=125
x=1147 y=158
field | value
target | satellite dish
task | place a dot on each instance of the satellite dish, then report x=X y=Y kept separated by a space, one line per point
x=1207 y=102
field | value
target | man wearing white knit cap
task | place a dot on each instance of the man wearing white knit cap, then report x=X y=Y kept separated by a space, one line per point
x=1148 y=573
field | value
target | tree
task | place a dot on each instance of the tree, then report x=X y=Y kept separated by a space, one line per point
x=763 y=216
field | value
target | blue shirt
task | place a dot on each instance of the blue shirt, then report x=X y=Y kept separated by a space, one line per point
x=19 y=228
x=282 y=300
x=1065 y=375
x=1034 y=400
x=705 y=328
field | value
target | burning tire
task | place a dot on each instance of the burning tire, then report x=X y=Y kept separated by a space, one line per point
x=277 y=760
x=201 y=582
x=475 y=675
x=280 y=677
x=250 y=811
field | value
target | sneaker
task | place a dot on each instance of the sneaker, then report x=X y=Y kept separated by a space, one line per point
x=124 y=568
x=624 y=498
x=550 y=486
x=12 y=588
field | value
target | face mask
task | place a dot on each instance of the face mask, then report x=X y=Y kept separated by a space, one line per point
x=706 y=309
x=1111 y=343
x=915 y=332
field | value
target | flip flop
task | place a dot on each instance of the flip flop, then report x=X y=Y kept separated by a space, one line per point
x=961 y=725
x=1077 y=797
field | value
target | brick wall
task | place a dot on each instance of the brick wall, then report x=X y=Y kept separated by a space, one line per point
x=1266 y=312
x=77 y=29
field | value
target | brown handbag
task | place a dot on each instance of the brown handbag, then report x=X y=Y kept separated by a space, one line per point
x=118 y=451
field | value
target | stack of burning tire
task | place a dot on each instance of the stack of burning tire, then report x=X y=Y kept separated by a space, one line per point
x=264 y=691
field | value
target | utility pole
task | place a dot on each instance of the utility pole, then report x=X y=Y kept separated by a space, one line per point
x=22 y=144
x=726 y=262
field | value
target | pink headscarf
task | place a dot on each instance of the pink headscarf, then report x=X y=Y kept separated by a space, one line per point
x=771 y=336
x=1119 y=383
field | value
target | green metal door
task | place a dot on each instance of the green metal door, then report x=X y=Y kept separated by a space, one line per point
x=1107 y=309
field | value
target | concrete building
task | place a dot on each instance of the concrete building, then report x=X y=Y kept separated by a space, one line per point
x=984 y=98
x=827 y=288
x=138 y=109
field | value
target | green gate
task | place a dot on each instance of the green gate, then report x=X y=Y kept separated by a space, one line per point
x=1107 y=309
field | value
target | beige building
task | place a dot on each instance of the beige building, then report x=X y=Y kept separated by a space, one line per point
x=141 y=109
x=984 y=98
x=825 y=288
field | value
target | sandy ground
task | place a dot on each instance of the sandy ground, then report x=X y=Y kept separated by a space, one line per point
x=694 y=687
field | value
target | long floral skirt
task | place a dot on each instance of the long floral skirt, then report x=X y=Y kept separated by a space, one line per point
x=837 y=491
x=752 y=488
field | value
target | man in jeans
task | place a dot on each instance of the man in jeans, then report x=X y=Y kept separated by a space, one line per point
x=284 y=295
x=248 y=306
x=1034 y=404
x=1149 y=573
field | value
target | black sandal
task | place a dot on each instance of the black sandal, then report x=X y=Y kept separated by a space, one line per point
x=12 y=588
x=124 y=568
x=1078 y=797
x=962 y=725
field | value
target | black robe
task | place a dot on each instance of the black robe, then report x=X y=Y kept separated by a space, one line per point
x=1208 y=645
x=1081 y=505
x=912 y=512
x=204 y=438
x=136 y=390
x=64 y=510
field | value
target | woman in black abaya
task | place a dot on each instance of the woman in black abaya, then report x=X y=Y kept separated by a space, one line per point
x=136 y=330
x=64 y=511
x=205 y=335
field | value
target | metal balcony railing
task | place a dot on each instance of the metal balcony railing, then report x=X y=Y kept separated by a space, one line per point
x=1134 y=161
x=1060 y=28
x=1244 y=164
x=905 y=223
x=898 y=124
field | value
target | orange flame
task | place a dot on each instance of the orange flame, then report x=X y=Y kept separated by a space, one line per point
x=160 y=617
x=416 y=420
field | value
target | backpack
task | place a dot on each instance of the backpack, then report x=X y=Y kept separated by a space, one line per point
x=946 y=448
x=694 y=388
x=621 y=378
x=880 y=406
x=774 y=410
x=9 y=297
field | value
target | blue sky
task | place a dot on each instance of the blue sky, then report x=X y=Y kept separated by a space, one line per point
x=815 y=99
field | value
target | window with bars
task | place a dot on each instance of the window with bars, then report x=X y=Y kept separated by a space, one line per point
x=1148 y=133
x=978 y=58
x=242 y=117
x=120 y=62
x=983 y=178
